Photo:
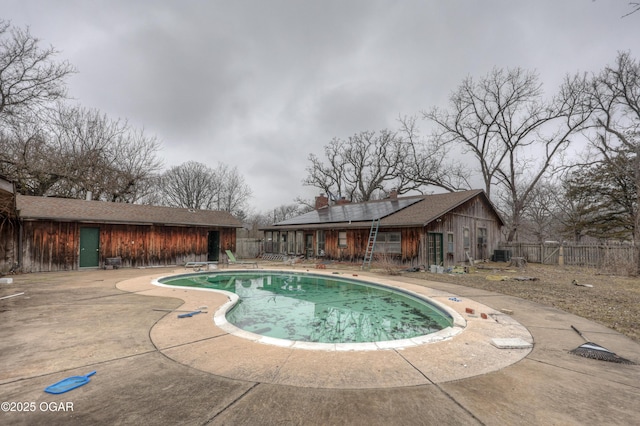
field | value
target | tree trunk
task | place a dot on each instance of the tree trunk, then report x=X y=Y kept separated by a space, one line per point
x=636 y=229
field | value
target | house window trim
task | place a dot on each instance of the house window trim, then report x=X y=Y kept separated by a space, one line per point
x=320 y=242
x=386 y=244
x=483 y=236
x=466 y=238
x=451 y=244
x=342 y=239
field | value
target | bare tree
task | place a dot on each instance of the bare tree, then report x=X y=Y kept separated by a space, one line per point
x=85 y=140
x=540 y=216
x=29 y=76
x=363 y=167
x=429 y=162
x=99 y=155
x=234 y=193
x=189 y=185
x=49 y=148
x=635 y=7
x=255 y=221
x=197 y=186
x=137 y=163
x=328 y=177
x=510 y=131
x=615 y=133
x=285 y=211
x=27 y=158
x=71 y=151
x=278 y=214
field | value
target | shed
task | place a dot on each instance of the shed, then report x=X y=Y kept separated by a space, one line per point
x=52 y=234
x=438 y=229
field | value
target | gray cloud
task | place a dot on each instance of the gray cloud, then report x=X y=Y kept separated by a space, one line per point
x=262 y=84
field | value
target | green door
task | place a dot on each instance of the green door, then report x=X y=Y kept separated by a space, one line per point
x=213 y=246
x=435 y=249
x=89 y=247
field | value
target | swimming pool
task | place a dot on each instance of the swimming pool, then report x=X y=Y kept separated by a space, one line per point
x=315 y=308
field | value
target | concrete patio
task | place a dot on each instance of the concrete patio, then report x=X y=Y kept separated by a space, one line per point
x=153 y=368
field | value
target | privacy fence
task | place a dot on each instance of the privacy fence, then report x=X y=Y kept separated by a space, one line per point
x=614 y=258
x=249 y=248
x=592 y=255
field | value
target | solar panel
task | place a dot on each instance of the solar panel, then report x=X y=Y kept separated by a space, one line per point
x=352 y=212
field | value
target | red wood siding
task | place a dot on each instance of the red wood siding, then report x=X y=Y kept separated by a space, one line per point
x=8 y=244
x=473 y=215
x=54 y=246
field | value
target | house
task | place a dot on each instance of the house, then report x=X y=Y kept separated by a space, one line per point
x=439 y=229
x=52 y=234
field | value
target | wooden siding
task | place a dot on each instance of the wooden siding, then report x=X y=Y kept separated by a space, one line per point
x=472 y=215
x=8 y=242
x=55 y=246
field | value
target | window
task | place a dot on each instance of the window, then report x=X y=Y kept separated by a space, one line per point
x=450 y=243
x=434 y=247
x=282 y=247
x=388 y=242
x=466 y=238
x=342 y=239
x=291 y=239
x=320 y=239
x=299 y=248
x=482 y=243
x=482 y=236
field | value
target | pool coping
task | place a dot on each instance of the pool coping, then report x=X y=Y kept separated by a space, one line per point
x=201 y=343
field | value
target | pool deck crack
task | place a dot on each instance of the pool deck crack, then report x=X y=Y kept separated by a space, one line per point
x=231 y=404
x=191 y=342
x=440 y=388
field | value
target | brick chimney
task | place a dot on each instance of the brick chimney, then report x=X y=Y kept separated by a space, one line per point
x=342 y=201
x=393 y=194
x=321 y=201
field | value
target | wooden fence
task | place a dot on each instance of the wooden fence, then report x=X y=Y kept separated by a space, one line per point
x=249 y=248
x=573 y=254
x=604 y=257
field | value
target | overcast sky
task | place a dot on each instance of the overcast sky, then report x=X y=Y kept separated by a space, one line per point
x=261 y=84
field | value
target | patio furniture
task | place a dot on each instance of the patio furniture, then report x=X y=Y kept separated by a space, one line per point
x=234 y=261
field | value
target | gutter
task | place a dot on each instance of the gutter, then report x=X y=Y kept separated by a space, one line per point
x=116 y=222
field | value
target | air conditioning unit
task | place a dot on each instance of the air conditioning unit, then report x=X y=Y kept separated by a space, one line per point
x=501 y=255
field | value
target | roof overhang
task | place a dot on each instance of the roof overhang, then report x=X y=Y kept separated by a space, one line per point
x=117 y=222
x=339 y=225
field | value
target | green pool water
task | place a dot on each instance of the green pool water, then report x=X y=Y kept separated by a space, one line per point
x=317 y=308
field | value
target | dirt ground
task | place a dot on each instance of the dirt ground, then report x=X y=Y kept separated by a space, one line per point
x=613 y=301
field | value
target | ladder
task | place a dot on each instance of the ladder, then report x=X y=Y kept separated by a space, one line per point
x=373 y=234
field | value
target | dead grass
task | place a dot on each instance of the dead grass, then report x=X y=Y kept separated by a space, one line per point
x=613 y=301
